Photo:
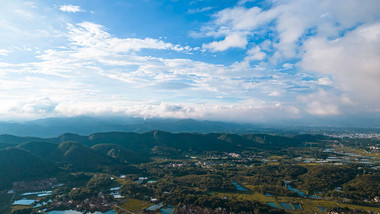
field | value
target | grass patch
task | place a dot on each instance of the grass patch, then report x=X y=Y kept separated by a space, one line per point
x=275 y=157
x=19 y=207
x=135 y=205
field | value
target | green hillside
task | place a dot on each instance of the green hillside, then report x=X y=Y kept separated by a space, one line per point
x=17 y=164
x=119 y=153
x=43 y=150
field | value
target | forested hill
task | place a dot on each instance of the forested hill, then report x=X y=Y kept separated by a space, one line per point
x=181 y=141
x=118 y=152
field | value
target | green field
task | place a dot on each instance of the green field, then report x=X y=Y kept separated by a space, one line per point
x=135 y=205
x=308 y=205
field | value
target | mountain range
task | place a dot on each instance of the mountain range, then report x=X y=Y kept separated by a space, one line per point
x=117 y=152
x=86 y=125
x=50 y=127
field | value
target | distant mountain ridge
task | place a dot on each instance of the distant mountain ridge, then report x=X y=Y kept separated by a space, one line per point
x=144 y=142
x=83 y=125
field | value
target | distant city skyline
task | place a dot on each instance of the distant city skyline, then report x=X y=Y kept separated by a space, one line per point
x=238 y=61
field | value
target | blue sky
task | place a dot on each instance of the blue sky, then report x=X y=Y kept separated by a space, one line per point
x=244 y=61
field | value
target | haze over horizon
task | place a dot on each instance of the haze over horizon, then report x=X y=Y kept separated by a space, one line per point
x=244 y=61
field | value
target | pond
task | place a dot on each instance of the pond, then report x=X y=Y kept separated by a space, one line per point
x=64 y=212
x=167 y=210
x=77 y=212
x=238 y=187
x=24 y=201
x=115 y=189
x=154 y=207
x=286 y=206
x=297 y=206
x=295 y=190
x=302 y=194
x=39 y=194
x=272 y=204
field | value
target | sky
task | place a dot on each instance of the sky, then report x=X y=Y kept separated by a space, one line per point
x=268 y=61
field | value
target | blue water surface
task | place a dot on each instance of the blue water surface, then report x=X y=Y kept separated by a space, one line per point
x=167 y=210
x=24 y=201
x=273 y=204
x=295 y=190
x=286 y=206
x=238 y=187
x=297 y=206
x=77 y=212
x=154 y=207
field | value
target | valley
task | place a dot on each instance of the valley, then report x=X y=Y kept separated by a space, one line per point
x=163 y=172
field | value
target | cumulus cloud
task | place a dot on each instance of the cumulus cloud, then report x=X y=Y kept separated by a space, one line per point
x=96 y=38
x=255 y=53
x=301 y=58
x=337 y=40
x=321 y=103
x=31 y=108
x=231 y=41
x=290 y=21
x=69 y=8
x=97 y=73
x=325 y=81
x=352 y=61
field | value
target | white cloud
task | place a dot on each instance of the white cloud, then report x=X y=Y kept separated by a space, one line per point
x=4 y=52
x=337 y=40
x=287 y=66
x=318 y=108
x=69 y=8
x=97 y=73
x=231 y=41
x=235 y=112
x=324 y=81
x=321 y=103
x=94 y=36
x=23 y=25
x=352 y=61
x=199 y=10
x=29 y=109
x=291 y=20
x=255 y=53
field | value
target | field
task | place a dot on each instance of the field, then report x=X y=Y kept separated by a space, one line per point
x=135 y=205
x=308 y=205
